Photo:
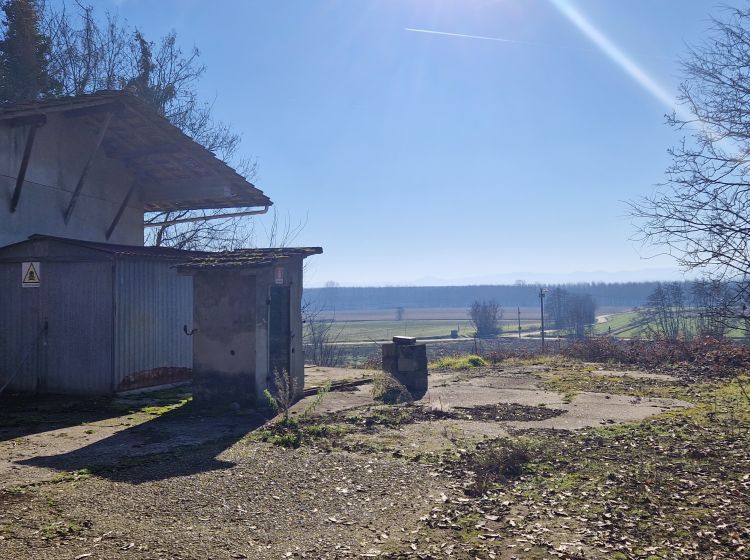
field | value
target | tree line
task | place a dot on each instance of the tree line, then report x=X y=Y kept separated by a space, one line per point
x=626 y=294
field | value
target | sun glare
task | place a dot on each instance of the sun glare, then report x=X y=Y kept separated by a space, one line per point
x=613 y=52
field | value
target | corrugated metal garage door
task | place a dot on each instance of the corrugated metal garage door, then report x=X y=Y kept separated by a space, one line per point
x=78 y=306
x=20 y=325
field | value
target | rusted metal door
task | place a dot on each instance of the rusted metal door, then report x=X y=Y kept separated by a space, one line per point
x=279 y=331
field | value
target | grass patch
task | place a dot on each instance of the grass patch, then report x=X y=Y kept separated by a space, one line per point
x=72 y=476
x=61 y=529
x=459 y=362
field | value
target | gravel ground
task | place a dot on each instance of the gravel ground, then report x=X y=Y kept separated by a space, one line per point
x=272 y=503
x=181 y=486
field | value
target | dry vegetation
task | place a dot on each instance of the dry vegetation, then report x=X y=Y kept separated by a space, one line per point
x=337 y=485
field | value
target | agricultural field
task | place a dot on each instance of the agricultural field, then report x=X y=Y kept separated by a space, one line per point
x=525 y=459
x=625 y=325
x=378 y=331
x=629 y=324
x=367 y=326
x=381 y=325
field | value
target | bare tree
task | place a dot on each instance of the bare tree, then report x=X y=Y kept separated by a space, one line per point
x=486 y=317
x=701 y=216
x=570 y=312
x=666 y=314
x=712 y=304
x=321 y=337
x=581 y=313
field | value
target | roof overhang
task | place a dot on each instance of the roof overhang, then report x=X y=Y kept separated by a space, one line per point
x=244 y=259
x=173 y=171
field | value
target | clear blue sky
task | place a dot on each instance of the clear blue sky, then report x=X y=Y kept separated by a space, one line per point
x=418 y=156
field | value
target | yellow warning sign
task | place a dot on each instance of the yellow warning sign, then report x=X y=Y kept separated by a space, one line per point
x=30 y=277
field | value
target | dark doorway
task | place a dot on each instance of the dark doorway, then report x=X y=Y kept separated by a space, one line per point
x=279 y=332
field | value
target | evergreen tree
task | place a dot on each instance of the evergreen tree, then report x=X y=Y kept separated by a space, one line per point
x=24 y=53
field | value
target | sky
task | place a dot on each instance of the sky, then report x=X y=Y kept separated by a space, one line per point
x=505 y=147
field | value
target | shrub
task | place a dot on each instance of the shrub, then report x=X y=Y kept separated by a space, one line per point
x=712 y=357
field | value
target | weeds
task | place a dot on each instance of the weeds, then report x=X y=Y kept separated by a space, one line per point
x=387 y=389
x=313 y=406
x=60 y=529
x=496 y=462
x=291 y=432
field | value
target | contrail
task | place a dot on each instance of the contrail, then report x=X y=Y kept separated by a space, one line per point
x=465 y=36
x=502 y=40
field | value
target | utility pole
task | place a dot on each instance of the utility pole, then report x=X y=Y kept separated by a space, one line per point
x=542 y=293
x=519 y=322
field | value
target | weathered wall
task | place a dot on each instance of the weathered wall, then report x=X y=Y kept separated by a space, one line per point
x=265 y=280
x=152 y=305
x=60 y=151
x=224 y=344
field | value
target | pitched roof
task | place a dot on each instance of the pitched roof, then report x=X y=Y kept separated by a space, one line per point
x=241 y=258
x=161 y=253
x=174 y=171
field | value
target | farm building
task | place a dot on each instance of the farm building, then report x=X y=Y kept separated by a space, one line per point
x=85 y=308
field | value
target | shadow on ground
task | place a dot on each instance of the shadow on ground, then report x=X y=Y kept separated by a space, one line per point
x=24 y=415
x=183 y=441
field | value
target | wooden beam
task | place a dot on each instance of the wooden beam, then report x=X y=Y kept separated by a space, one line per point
x=130 y=155
x=24 y=166
x=86 y=167
x=121 y=209
x=33 y=120
x=115 y=106
x=61 y=106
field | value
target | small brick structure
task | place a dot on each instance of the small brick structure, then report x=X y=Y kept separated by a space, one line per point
x=406 y=360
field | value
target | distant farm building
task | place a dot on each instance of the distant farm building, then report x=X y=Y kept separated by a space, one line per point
x=84 y=306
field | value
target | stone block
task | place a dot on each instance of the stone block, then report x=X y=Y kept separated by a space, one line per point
x=408 y=364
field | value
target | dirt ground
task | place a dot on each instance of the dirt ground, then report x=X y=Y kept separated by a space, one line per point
x=148 y=476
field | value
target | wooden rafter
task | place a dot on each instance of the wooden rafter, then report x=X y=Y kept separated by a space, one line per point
x=121 y=209
x=86 y=167
x=24 y=163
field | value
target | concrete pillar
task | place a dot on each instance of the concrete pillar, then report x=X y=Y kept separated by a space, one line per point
x=406 y=360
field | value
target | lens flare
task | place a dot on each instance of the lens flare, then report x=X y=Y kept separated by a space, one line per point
x=613 y=52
